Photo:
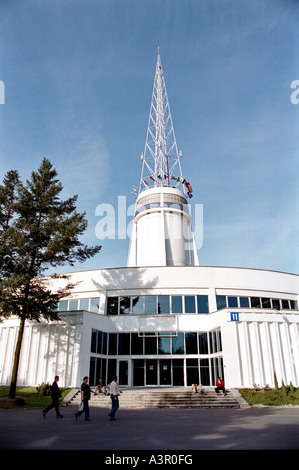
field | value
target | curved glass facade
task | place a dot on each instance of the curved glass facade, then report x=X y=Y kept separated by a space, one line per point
x=157 y=359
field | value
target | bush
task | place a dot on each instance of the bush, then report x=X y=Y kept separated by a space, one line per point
x=44 y=389
x=286 y=395
x=20 y=402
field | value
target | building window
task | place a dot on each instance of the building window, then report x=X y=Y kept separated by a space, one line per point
x=176 y=304
x=73 y=304
x=112 y=306
x=244 y=302
x=203 y=343
x=112 y=348
x=150 y=345
x=221 y=301
x=90 y=305
x=178 y=344
x=125 y=305
x=137 y=305
x=255 y=302
x=163 y=304
x=111 y=372
x=100 y=342
x=285 y=304
x=63 y=305
x=190 y=304
x=191 y=343
x=94 y=305
x=204 y=371
x=150 y=305
x=84 y=304
x=276 y=304
x=138 y=372
x=215 y=341
x=192 y=371
x=158 y=304
x=266 y=303
x=163 y=344
x=124 y=344
x=136 y=344
x=93 y=346
x=177 y=372
x=202 y=304
x=232 y=302
x=92 y=368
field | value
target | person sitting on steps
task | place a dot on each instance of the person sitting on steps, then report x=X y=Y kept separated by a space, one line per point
x=220 y=386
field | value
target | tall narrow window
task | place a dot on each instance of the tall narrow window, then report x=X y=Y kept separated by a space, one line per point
x=189 y=304
x=150 y=305
x=232 y=302
x=124 y=305
x=112 y=344
x=137 y=344
x=112 y=306
x=73 y=304
x=255 y=302
x=221 y=301
x=203 y=343
x=163 y=304
x=178 y=346
x=176 y=304
x=203 y=304
x=191 y=343
x=63 y=304
x=137 y=305
x=123 y=344
x=94 y=304
x=163 y=344
x=84 y=304
x=244 y=302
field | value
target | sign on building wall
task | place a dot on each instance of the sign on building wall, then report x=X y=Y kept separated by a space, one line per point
x=234 y=316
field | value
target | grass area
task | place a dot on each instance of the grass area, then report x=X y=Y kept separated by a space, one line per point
x=271 y=397
x=26 y=397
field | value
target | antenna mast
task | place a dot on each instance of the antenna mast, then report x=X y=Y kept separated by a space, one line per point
x=160 y=160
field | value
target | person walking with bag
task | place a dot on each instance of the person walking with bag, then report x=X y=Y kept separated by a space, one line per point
x=114 y=392
x=85 y=397
x=56 y=394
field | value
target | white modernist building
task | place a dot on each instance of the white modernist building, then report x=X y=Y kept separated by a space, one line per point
x=164 y=320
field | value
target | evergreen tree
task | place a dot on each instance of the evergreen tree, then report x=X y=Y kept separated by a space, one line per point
x=38 y=231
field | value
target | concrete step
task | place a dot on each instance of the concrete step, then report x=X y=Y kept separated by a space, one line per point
x=163 y=399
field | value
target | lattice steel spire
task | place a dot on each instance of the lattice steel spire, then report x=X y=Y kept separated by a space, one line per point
x=161 y=160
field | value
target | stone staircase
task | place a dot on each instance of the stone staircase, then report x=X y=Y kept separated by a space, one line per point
x=163 y=398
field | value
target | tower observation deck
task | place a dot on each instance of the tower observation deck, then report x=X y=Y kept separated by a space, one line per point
x=161 y=232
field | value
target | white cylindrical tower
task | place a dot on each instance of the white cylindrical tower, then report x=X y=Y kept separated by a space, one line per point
x=162 y=233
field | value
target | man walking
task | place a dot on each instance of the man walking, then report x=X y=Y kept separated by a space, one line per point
x=85 y=397
x=55 y=392
x=114 y=392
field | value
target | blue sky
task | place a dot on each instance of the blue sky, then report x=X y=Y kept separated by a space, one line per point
x=78 y=82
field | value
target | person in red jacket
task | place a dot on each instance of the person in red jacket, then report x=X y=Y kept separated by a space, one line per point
x=220 y=386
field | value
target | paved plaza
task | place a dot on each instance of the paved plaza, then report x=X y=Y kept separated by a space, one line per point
x=183 y=430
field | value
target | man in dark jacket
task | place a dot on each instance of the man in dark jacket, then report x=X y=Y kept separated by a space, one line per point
x=85 y=397
x=55 y=397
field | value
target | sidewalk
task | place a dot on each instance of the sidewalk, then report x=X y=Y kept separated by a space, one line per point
x=260 y=428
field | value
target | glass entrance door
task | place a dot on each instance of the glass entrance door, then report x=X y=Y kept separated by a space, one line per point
x=165 y=372
x=151 y=372
x=123 y=372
